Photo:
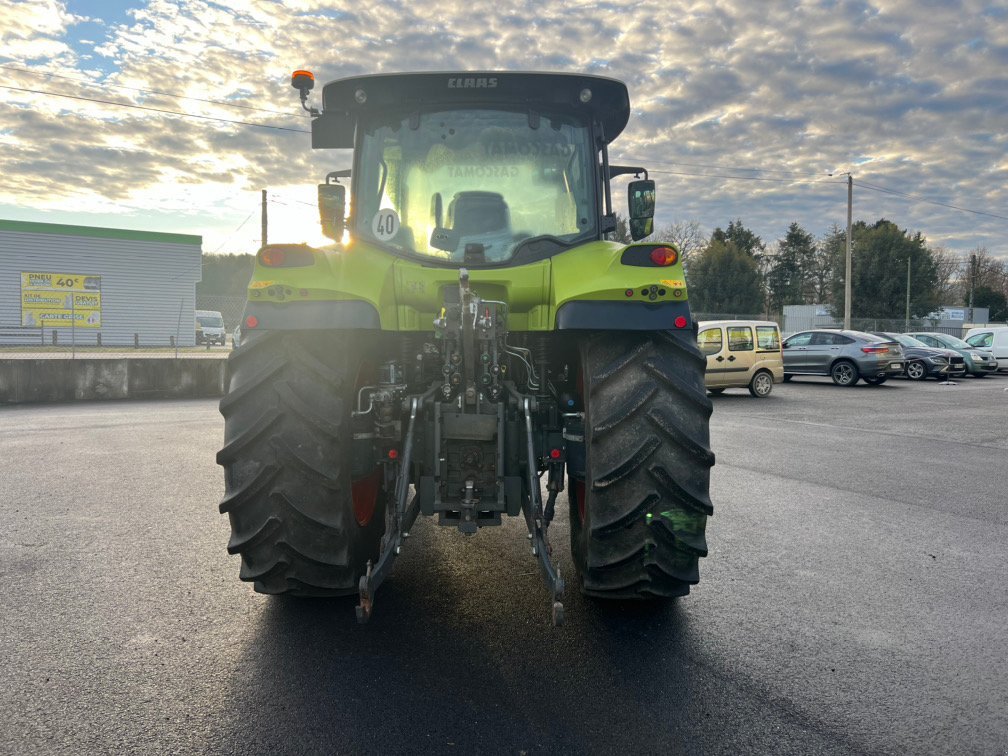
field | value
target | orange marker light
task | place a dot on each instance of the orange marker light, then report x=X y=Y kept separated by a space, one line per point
x=302 y=79
x=664 y=256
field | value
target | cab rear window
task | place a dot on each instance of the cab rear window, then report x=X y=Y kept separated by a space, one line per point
x=740 y=339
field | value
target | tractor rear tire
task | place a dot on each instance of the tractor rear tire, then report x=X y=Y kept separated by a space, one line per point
x=300 y=524
x=638 y=516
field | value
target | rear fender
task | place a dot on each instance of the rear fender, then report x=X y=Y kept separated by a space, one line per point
x=345 y=286
x=609 y=286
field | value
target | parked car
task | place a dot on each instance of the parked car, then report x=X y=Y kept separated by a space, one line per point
x=978 y=363
x=923 y=361
x=845 y=356
x=992 y=339
x=210 y=327
x=741 y=353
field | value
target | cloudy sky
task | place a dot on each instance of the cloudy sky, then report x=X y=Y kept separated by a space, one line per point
x=742 y=109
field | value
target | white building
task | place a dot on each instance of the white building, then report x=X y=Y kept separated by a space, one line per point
x=88 y=284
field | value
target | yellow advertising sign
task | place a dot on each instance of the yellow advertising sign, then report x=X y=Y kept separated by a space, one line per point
x=60 y=300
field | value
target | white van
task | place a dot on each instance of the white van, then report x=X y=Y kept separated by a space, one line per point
x=993 y=340
x=210 y=327
x=741 y=353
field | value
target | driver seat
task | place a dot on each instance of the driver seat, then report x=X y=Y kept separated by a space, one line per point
x=475 y=213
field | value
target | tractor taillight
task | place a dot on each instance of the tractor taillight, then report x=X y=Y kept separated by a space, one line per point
x=272 y=258
x=286 y=256
x=680 y=322
x=664 y=256
x=251 y=322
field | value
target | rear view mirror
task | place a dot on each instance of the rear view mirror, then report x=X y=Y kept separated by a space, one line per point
x=332 y=206
x=641 y=201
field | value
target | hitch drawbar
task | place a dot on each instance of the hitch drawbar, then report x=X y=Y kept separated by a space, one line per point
x=400 y=518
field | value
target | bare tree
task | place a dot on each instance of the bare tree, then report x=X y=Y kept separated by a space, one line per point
x=990 y=272
x=686 y=235
x=948 y=271
x=829 y=252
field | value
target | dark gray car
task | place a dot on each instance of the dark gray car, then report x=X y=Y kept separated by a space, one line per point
x=978 y=362
x=923 y=361
x=845 y=356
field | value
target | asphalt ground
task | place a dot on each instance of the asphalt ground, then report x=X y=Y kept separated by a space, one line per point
x=854 y=600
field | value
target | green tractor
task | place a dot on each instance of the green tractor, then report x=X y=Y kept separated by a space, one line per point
x=471 y=346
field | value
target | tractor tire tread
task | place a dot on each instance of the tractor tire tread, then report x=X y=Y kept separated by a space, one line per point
x=648 y=470
x=287 y=464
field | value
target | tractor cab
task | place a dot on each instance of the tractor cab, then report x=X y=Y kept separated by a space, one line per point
x=475 y=170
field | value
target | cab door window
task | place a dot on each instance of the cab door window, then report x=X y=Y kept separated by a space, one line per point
x=710 y=340
x=799 y=340
x=767 y=339
x=740 y=339
x=981 y=340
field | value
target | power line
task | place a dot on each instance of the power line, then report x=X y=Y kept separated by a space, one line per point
x=156 y=110
x=726 y=167
x=287 y=202
x=749 y=178
x=806 y=179
x=865 y=185
x=101 y=85
x=232 y=235
x=876 y=188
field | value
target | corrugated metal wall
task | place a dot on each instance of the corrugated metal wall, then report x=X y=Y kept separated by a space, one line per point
x=148 y=281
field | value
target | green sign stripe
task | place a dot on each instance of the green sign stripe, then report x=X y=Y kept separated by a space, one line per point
x=32 y=227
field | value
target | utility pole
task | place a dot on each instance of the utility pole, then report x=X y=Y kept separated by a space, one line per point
x=847 y=267
x=264 y=219
x=973 y=263
x=906 y=324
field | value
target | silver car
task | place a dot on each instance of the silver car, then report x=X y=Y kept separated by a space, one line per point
x=845 y=356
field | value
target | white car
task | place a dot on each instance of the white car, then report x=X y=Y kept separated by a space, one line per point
x=993 y=340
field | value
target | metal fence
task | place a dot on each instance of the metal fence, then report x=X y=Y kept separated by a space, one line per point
x=21 y=341
x=231 y=308
x=790 y=324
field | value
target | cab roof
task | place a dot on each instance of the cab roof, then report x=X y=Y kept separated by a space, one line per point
x=609 y=102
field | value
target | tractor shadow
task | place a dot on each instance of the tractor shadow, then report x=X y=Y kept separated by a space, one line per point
x=460 y=655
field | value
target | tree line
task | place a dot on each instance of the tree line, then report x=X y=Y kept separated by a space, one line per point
x=733 y=271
